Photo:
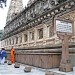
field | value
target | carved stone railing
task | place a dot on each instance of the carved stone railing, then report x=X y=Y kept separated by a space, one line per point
x=44 y=49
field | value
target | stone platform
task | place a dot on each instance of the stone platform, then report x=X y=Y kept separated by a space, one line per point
x=57 y=72
x=10 y=70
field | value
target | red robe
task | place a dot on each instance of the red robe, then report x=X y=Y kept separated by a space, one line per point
x=12 y=55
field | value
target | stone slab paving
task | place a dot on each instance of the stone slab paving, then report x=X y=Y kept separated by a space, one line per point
x=57 y=72
x=10 y=70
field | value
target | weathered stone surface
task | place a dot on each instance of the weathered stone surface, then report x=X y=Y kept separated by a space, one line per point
x=66 y=68
x=17 y=65
x=27 y=69
x=9 y=63
x=58 y=74
x=22 y=25
x=49 y=73
x=16 y=6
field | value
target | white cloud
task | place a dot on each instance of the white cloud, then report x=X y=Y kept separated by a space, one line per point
x=3 y=13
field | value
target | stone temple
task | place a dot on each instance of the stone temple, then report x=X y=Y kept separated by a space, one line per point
x=30 y=31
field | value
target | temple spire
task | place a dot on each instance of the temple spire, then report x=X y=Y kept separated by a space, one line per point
x=15 y=7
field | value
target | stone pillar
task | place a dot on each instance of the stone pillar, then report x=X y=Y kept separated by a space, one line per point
x=65 y=64
x=74 y=27
x=23 y=39
x=18 y=39
x=28 y=38
x=35 y=35
x=44 y=34
x=14 y=41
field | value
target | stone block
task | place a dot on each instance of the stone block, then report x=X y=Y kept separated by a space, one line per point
x=66 y=68
x=9 y=63
x=5 y=61
x=17 y=65
x=58 y=74
x=27 y=69
x=49 y=73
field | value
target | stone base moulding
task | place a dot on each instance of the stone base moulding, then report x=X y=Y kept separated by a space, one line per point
x=66 y=67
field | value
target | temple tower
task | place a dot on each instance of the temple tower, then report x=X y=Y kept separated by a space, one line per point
x=15 y=7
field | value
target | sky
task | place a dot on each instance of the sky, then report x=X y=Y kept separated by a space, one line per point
x=3 y=13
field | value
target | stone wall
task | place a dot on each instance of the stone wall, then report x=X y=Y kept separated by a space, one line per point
x=39 y=60
x=44 y=57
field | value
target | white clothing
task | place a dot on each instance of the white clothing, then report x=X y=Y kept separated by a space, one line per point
x=3 y=60
x=0 y=60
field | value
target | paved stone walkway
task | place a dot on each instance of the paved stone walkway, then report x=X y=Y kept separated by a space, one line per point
x=57 y=72
x=10 y=70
